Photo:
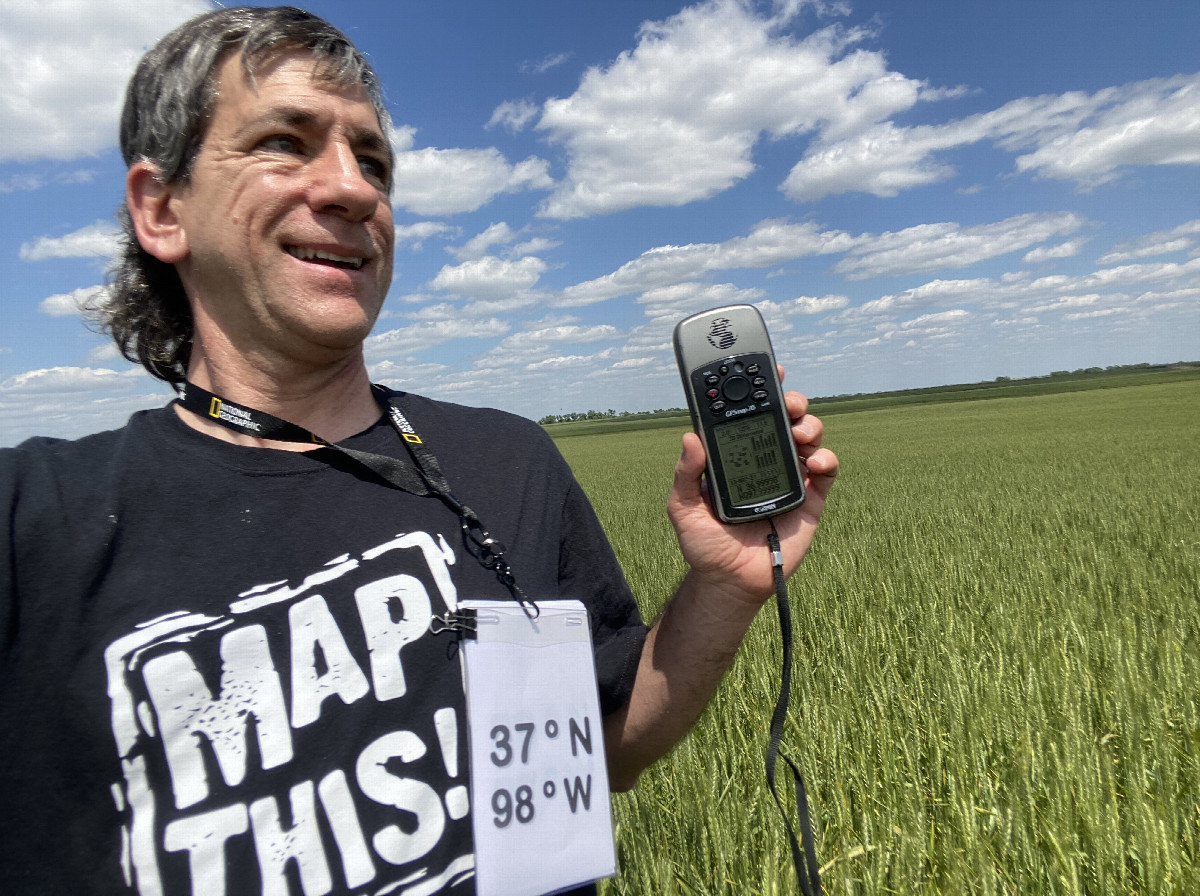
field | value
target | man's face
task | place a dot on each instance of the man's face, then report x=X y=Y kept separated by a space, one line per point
x=287 y=222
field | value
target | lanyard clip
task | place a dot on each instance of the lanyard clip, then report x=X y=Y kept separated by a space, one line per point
x=776 y=550
x=463 y=623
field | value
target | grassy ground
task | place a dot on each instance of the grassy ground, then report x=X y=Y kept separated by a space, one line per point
x=998 y=658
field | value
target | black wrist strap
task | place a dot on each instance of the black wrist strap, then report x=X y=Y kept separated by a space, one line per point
x=422 y=478
x=807 y=871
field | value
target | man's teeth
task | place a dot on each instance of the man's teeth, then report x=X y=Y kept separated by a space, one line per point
x=355 y=262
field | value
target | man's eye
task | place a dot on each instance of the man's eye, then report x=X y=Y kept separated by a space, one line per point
x=373 y=168
x=282 y=143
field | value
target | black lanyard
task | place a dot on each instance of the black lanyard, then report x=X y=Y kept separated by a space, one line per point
x=424 y=480
x=807 y=871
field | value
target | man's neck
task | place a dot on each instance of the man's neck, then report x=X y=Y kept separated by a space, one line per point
x=332 y=402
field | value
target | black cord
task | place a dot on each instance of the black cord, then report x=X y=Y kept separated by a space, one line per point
x=806 y=865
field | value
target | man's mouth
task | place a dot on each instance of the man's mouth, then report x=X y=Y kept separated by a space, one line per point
x=350 y=262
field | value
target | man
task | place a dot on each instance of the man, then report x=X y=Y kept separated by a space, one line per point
x=219 y=669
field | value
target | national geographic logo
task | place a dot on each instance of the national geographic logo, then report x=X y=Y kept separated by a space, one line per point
x=406 y=430
x=218 y=410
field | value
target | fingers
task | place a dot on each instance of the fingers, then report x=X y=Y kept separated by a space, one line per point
x=822 y=462
x=822 y=465
x=797 y=404
x=808 y=432
x=806 y=429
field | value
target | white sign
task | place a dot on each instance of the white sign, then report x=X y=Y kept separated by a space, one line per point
x=539 y=794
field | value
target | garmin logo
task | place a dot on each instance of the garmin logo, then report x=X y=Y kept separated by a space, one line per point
x=766 y=507
x=720 y=335
x=736 y=412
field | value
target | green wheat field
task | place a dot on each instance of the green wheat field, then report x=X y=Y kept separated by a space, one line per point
x=997 y=658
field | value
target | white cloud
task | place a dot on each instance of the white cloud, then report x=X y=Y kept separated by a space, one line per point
x=1160 y=272
x=65 y=64
x=107 y=353
x=635 y=363
x=882 y=161
x=676 y=118
x=931 y=247
x=1069 y=249
x=27 y=182
x=1186 y=297
x=545 y=64
x=413 y=236
x=501 y=234
x=535 y=245
x=1085 y=138
x=937 y=293
x=451 y=181
x=1162 y=242
x=426 y=334
x=406 y=373
x=22 y=183
x=66 y=379
x=678 y=300
x=547 y=345
x=72 y=401
x=1018 y=301
x=807 y=305
x=556 y=334
x=67 y=304
x=1062 y=303
x=561 y=362
x=478 y=245
x=1153 y=122
x=489 y=277
x=514 y=115
x=769 y=243
x=98 y=240
x=936 y=319
x=925 y=247
x=502 y=306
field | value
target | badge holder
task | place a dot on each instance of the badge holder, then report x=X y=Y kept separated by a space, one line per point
x=539 y=783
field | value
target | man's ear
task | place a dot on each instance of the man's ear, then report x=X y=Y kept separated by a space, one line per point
x=154 y=214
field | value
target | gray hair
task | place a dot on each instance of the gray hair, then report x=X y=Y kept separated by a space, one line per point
x=168 y=106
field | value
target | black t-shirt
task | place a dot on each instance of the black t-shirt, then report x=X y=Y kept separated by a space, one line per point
x=217 y=669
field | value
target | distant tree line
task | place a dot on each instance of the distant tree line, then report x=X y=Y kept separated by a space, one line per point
x=1081 y=372
x=610 y=414
x=1117 y=368
x=999 y=381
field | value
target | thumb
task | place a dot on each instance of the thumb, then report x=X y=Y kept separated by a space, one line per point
x=686 y=490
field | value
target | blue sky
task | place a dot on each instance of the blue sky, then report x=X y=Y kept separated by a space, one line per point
x=912 y=193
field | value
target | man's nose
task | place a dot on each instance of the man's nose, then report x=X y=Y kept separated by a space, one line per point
x=339 y=185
